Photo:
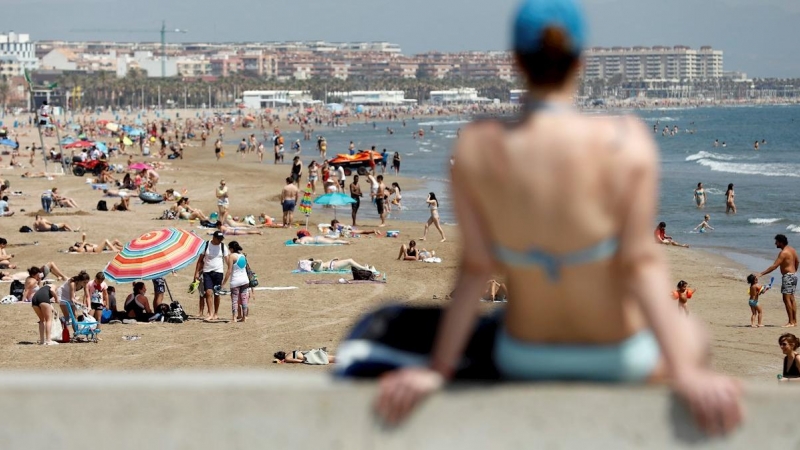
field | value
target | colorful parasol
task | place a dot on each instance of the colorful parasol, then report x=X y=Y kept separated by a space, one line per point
x=305 y=202
x=154 y=255
x=80 y=144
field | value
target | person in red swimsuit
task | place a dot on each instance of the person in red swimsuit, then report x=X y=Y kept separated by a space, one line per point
x=661 y=236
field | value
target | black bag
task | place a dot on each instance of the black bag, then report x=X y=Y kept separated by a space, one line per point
x=25 y=229
x=176 y=313
x=102 y=206
x=360 y=274
x=17 y=288
x=409 y=334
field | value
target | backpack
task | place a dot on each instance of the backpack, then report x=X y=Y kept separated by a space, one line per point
x=102 y=206
x=176 y=313
x=17 y=288
x=25 y=229
x=360 y=274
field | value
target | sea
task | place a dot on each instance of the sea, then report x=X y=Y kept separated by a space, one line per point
x=767 y=181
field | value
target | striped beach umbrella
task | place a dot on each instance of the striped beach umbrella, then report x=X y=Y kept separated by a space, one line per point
x=154 y=255
x=305 y=203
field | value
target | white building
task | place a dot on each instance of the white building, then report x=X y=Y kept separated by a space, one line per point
x=271 y=99
x=19 y=47
x=372 y=97
x=461 y=95
x=515 y=96
x=679 y=63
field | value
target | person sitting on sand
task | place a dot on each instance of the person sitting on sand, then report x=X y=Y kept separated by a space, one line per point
x=661 y=237
x=412 y=253
x=124 y=204
x=704 y=225
x=316 y=240
x=43 y=270
x=171 y=195
x=137 y=306
x=41 y=224
x=87 y=247
x=60 y=200
x=337 y=265
x=106 y=177
x=296 y=357
x=186 y=212
x=269 y=222
x=236 y=231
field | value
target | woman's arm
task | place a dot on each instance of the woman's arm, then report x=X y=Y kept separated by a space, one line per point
x=229 y=272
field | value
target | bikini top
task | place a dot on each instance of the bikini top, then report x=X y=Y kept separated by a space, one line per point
x=793 y=371
x=552 y=263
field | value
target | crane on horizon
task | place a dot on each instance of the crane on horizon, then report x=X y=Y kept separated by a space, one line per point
x=163 y=31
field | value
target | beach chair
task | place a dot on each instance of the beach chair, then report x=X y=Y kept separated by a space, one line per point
x=86 y=329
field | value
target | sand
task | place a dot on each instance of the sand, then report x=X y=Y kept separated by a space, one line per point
x=312 y=315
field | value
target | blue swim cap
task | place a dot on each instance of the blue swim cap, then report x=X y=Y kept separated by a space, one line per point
x=533 y=16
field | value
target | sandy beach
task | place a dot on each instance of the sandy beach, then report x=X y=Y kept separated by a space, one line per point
x=313 y=315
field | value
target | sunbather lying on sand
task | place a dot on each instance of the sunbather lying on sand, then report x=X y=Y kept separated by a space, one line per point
x=296 y=357
x=41 y=224
x=87 y=247
x=315 y=240
x=236 y=231
x=336 y=264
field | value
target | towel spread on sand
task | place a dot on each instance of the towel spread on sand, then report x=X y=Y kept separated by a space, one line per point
x=289 y=243
x=435 y=259
x=339 y=272
x=276 y=288
x=346 y=282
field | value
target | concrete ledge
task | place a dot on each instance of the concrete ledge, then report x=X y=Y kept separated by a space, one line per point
x=293 y=410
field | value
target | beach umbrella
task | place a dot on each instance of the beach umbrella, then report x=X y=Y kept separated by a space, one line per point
x=112 y=126
x=79 y=144
x=305 y=202
x=67 y=140
x=101 y=146
x=8 y=142
x=334 y=199
x=154 y=255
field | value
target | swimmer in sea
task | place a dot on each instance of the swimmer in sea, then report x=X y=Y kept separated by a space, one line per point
x=700 y=196
x=704 y=225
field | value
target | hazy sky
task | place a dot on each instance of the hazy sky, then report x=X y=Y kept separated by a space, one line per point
x=758 y=36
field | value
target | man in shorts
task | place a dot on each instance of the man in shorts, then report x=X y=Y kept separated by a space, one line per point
x=289 y=199
x=212 y=265
x=788 y=262
x=159 y=288
x=380 y=200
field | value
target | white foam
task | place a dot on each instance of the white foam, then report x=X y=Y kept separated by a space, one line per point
x=794 y=228
x=713 y=191
x=709 y=155
x=662 y=119
x=760 y=221
x=442 y=122
x=767 y=170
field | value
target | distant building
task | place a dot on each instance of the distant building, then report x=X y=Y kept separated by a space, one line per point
x=271 y=99
x=462 y=95
x=372 y=97
x=18 y=53
x=679 y=63
x=515 y=96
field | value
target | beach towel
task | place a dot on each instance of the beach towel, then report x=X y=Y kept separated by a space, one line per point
x=289 y=243
x=338 y=272
x=276 y=288
x=316 y=357
x=434 y=259
x=343 y=281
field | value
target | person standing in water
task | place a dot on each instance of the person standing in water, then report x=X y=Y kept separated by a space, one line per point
x=583 y=262
x=730 y=206
x=788 y=262
x=704 y=225
x=700 y=196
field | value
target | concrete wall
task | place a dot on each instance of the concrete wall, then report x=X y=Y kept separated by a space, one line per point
x=304 y=409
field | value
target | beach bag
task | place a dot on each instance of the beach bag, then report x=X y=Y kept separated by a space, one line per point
x=304 y=265
x=251 y=276
x=25 y=229
x=57 y=329
x=360 y=274
x=176 y=313
x=316 y=357
x=102 y=206
x=106 y=316
x=17 y=288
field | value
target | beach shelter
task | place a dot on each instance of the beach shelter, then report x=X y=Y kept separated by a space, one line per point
x=334 y=199
x=305 y=202
x=154 y=255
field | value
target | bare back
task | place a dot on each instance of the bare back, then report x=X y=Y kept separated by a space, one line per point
x=560 y=183
x=788 y=260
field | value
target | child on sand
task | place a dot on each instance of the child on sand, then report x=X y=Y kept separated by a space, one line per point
x=755 y=309
x=682 y=295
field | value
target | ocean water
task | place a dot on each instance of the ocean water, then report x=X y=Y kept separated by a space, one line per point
x=767 y=182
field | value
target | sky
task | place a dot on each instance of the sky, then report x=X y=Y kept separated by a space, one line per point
x=758 y=37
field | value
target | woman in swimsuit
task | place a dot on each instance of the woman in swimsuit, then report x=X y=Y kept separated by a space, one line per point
x=87 y=247
x=700 y=196
x=336 y=264
x=136 y=305
x=296 y=357
x=67 y=292
x=313 y=175
x=42 y=302
x=411 y=253
x=791 y=360
x=433 y=204
x=64 y=202
x=730 y=206
x=222 y=198
x=314 y=240
x=585 y=259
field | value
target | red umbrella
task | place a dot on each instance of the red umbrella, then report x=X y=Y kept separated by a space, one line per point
x=80 y=144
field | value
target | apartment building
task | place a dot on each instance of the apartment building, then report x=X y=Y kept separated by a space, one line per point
x=678 y=63
x=18 y=53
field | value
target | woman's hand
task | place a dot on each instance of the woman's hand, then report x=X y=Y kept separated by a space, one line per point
x=713 y=399
x=401 y=390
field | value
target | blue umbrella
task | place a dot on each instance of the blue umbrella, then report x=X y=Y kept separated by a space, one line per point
x=101 y=146
x=67 y=140
x=334 y=199
x=135 y=132
x=8 y=142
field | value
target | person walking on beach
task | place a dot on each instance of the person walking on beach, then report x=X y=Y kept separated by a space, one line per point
x=730 y=206
x=211 y=266
x=700 y=196
x=584 y=259
x=682 y=295
x=433 y=205
x=218 y=149
x=756 y=313
x=788 y=262
x=289 y=199
x=223 y=202
x=396 y=163
x=380 y=200
x=355 y=194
